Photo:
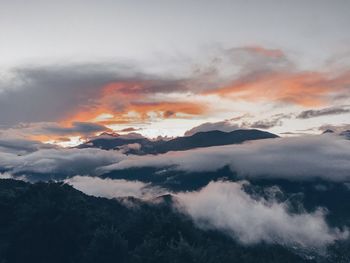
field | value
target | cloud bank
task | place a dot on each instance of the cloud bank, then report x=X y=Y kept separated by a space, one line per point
x=226 y=207
x=112 y=188
x=66 y=162
x=299 y=158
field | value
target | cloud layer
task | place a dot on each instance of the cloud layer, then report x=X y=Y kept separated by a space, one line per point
x=300 y=158
x=65 y=162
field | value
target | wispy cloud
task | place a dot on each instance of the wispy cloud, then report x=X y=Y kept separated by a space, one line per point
x=323 y=112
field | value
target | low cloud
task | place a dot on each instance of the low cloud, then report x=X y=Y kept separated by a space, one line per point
x=131 y=147
x=226 y=207
x=298 y=158
x=66 y=162
x=21 y=146
x=111 y=188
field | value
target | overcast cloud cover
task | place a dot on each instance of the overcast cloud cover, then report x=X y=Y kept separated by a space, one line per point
x=63 y=99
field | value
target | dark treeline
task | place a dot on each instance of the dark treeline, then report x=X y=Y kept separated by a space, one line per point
x=52 y=222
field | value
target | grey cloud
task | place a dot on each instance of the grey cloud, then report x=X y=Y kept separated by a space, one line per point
x=323 y=112
x=263 y=124
x=227 y=207
x=20 y=145
x=46 y=94
x=298 y=158
x=83 y=128
x=254 y=59
x=241 y=64
x=53 y=92
x=273 y=121
x=131 y=147
x=26 y=130
x=294 y=133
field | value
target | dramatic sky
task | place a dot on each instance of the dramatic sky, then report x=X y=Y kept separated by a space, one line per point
x=73 y=69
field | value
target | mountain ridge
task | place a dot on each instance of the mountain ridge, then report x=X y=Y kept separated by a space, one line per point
x=197 y=140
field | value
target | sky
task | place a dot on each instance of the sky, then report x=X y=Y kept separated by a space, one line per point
x=73 y=69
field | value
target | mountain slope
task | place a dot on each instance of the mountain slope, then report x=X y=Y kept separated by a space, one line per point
x=213 y=138
x=52 y=222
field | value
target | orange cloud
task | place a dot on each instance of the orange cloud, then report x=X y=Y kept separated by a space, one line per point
x=133 y=101
x=167 y=109
x=128 y=102
x=303 y=88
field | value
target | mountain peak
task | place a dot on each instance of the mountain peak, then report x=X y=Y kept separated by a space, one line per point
x=327 y=131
